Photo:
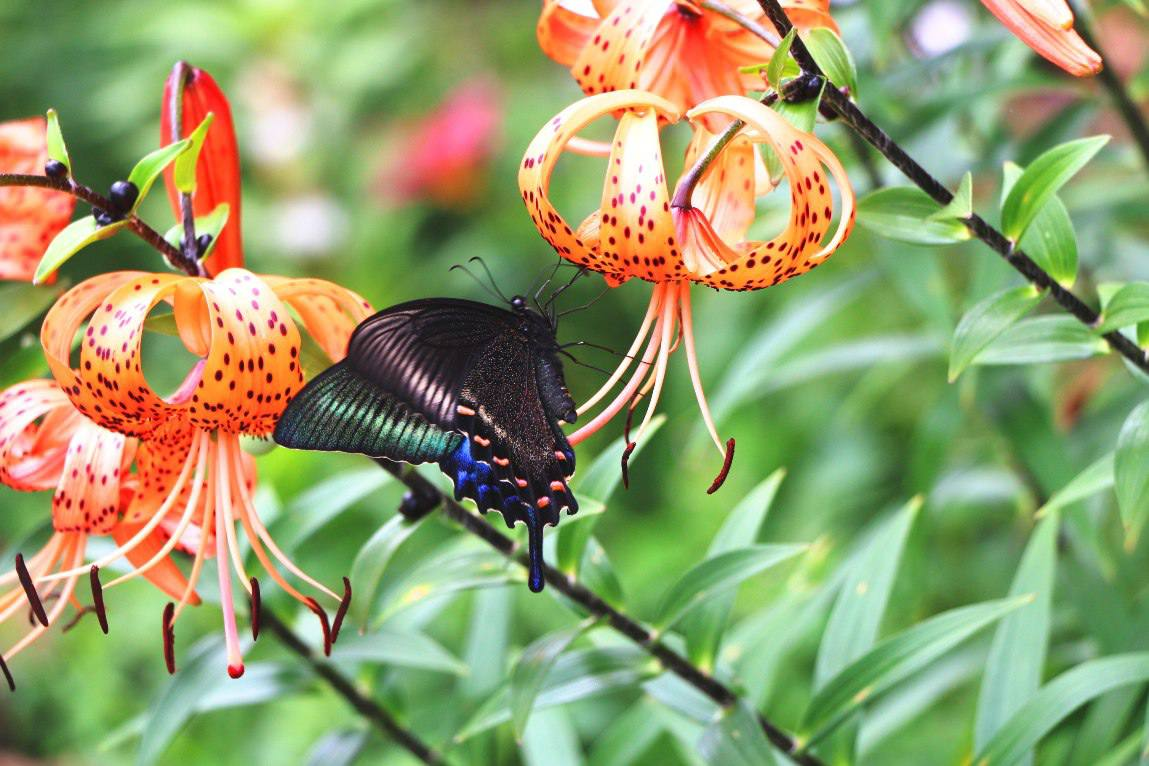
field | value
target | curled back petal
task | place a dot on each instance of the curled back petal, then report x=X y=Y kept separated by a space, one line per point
x=328 y=311
x=1062 y=46
x=562 y=31
x=29 y=217
x=32 y=456
x=725 y=194
x=88 y=496
x=636 y=230
x=799 y=247
x=614 y=57
x=217 y=173
x=809 y=14
x=543 y=153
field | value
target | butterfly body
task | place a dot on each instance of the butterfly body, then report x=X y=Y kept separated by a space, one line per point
x=475 y=388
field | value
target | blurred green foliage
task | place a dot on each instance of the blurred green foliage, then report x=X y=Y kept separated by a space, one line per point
x=839 y=377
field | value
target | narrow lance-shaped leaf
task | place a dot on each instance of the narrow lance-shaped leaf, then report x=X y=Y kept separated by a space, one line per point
x=532 y=668
x=833 y=58
x=716 y=574
x=1131 y=472
x=1125 y=308
x=1059 y=699
x=1017 y=654
x=987 y=320
x=148 y=169
x=704 y=628
x=184 y=172
x=896 y=658
x=57 y=149
x=1050 y=239
x=782 y=65
x=399 y=648
x=75 y=237
x=371 y=562
x=1097 y=477
x=862 y=599
x=960 y=207
x=179 y=700
x=1040 y=340
x=906 y=214
x=1042 y=179
x=736 y=739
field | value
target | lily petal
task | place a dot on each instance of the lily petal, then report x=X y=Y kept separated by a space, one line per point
x=88 y=498
x=563 y=32
x=1062 y=46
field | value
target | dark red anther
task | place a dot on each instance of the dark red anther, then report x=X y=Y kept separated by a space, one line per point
x=98 y=597
x=170 y=638
x=721 y=477
x=314 y=606
x=626 y=464
x=343 y=606
x=30 y=590
x=256 y=609
x=7 y=674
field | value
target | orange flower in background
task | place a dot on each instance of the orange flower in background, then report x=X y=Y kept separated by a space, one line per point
x=673 y=48
x=191 y=94
x=195 y=484
x=1047 y=27
x=29 y=217
x=443 y=157
x=637 y=231
x=46 y=444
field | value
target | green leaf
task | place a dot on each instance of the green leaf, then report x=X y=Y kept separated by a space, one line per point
x=402 y=648
x=1052 y=243
x=576 y=675
x=1126 y=307
x=1098 y=477
x=598 y=575
x=212 y=224
x=371 y=563
x=862 y=599
x=986 y=321
x=961 y=206
x=184 y=171
x=905 y=214
x=1055 y=338
x=1131 y=472
x=715 y=575
x=25 y=362
x=342 y=747
x=628 y=736
x=833 y=57
x=1017 y=654
x=1057 y=700
x=72 y=239
x=802 y=115
x=703 y=630
x=551 y=740
x=782 y=65
x=736 y=739
x=1042 y=179
x=147 y=170
x=57 y=149
x=897 y=657
x=329 y=498
x=22 y=303
x=183 y=693
x=596 y=484
x=532 y=668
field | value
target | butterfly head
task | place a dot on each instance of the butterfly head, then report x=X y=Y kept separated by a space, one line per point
x=518 y=304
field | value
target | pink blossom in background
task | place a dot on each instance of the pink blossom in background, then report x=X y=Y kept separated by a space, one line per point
x=443 y=157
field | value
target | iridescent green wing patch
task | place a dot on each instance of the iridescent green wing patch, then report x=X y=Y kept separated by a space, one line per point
x=342 y=411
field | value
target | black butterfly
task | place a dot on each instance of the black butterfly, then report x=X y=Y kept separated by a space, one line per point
x=476 y=388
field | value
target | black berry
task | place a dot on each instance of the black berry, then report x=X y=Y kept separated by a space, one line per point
x=123 y=195
x=55 y=169
x=202 y=243
x=103 y=217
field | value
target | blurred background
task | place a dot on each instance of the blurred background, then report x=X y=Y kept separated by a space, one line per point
x=379 y=145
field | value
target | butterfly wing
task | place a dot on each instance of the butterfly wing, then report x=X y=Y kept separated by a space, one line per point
x=342 y=411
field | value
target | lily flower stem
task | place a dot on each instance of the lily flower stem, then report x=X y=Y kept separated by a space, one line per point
x=1130 y=112
x=597 y=607
x=368 y=708
x=857 y=120
x=172 y=255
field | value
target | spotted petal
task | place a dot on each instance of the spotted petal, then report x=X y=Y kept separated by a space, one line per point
x=329 y=312
x=562 y=31
x=31 y=455
x=88 y=497
x=29 y=217
x=799 y=247
x=614 y=57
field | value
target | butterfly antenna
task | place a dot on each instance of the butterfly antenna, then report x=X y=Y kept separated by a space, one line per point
x=582 y=270
x=581 y=363
x=586 y=305
x=600 y=347
x=494 y=284
x=544 y=284
x=479 y=282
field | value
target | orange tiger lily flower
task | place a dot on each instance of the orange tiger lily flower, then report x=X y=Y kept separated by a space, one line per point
x=190 y=94
x=46 y=444
x=674 y=48
x=1047 y=27
x=29 y=217
x=195 y=484
x=638 y=231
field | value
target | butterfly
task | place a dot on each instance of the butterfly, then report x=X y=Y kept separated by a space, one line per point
x=476 y=388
